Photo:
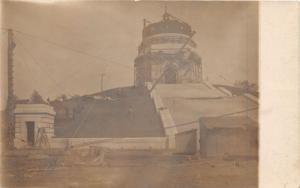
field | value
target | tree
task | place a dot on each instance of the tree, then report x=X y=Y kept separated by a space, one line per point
x=61 y=97
x=36 y=98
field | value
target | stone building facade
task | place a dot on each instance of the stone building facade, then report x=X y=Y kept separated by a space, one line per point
x=167 y=46
x=32 y=122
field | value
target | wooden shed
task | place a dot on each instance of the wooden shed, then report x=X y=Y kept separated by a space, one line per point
x=228 y=136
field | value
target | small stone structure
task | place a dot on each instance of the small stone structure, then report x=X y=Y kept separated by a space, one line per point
x=32 y=120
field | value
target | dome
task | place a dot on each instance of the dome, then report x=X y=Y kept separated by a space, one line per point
x=169 y=24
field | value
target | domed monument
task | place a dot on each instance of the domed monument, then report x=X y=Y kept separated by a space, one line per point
x=167 y=53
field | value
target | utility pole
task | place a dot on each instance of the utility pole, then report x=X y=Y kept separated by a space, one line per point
x=102 y=79
x=10 y=106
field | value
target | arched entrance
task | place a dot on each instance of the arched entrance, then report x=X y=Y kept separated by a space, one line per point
x=171 y=76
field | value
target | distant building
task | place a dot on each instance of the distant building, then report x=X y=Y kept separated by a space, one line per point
x=168 y=45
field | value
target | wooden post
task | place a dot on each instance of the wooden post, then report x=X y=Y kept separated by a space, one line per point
x=102 y=79
x=10 y=91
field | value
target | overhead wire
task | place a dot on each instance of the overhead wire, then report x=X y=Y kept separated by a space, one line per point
x=74 y=50
x=97 y=57
x=39 y=66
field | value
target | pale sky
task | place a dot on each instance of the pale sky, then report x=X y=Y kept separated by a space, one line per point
x=64 y=47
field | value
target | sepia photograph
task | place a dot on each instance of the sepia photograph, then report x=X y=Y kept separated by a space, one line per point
x=146 y=94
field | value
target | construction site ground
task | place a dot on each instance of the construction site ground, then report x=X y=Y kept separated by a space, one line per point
x=123 y=168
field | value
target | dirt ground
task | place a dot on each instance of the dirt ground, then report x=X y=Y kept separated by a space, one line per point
x=141 y=169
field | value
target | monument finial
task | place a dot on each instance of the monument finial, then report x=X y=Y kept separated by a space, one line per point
x=166 y=14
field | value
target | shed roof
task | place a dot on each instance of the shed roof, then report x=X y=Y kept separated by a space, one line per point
x=189 y=102
x=227 y=122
